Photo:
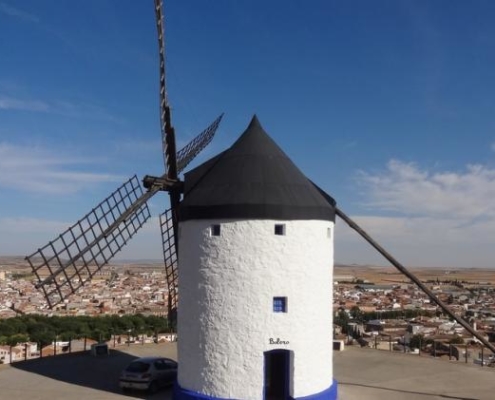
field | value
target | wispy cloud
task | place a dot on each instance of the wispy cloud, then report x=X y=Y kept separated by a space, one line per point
x=139 y=146
x=23 y=235
x=60 y=107
x=83 y=110
x=410 y=190
x=350 y=144
x=42 y=171
x=18 y=13
x=418 y=241
x=16 y=225
x=10 y=103
x=439 y=217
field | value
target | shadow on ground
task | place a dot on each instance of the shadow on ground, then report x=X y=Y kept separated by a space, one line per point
x=83 y=369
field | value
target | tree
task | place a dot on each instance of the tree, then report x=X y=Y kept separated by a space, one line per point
x=456 y=340
x=356 y=313
x=342 y=320
x=16 y=339
x=43 y=338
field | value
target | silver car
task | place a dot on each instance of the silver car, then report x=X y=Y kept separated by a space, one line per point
x=149 y=373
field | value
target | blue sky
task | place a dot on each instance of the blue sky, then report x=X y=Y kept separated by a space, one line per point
x=388 y=105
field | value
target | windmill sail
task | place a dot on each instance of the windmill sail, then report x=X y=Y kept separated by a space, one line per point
x=170 y=258
x=168 y=132
x=194 y=147
x=68 y=262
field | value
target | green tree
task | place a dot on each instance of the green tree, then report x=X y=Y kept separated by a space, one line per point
x=456 y=340
x=356 y=313
x=16 y=339
x=43 y=338
x=342 y=319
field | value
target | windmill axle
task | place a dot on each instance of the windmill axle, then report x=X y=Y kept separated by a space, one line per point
x=160 y=183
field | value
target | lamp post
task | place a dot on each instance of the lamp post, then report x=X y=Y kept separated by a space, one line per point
x=112 y=333
x=55 y=345
x=128 y=337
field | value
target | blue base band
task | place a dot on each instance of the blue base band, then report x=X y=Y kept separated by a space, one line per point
x=184 y=394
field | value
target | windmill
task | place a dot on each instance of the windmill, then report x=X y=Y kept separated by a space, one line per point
x=224 y=196
x=77 y=254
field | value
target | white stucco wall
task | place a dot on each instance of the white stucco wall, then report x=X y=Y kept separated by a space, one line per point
x=226 y=319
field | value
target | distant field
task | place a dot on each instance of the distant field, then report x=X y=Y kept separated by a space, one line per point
x=376 y=274
x=390 y=274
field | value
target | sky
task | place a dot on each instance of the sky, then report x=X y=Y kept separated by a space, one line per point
x=387 y=105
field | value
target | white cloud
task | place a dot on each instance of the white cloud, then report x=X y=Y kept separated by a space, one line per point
x=60 y=107
x=18 y=13
x=38 y=170
x=21 y=225
x=84 y=110
x=10 y=103
x=418 y=241
x=441 y=218
x=23 y=235
x=407 y=189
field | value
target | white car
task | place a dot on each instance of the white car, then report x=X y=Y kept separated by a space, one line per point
x=148 y=373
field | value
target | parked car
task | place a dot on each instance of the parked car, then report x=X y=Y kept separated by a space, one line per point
x=148 y=373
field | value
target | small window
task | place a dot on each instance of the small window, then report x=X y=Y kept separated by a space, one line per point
x=215 y=230
x=280 y=229
x=329 y=233
x=280 y=304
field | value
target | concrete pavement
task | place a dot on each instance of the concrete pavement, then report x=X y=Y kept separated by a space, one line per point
x=78 y=376
x=363 y=374
x=380 y=375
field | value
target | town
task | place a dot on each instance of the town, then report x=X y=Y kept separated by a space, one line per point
x=372 y=306
x=116 y=289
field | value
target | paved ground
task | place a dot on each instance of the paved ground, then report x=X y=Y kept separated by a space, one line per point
x=77 y=376
x=372 y=375
x=363 y=374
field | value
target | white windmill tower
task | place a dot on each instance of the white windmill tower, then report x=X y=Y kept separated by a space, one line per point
x=255 y=277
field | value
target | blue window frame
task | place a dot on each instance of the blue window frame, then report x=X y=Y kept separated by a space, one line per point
x=280 y=304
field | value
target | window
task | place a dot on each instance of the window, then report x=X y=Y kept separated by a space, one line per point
x=280 y=304
x=329 y=233
x=160 y=365
x=215 y=230
x=169 y=364
x=280 y=229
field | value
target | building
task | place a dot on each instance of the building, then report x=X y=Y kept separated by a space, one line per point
x=255 y=278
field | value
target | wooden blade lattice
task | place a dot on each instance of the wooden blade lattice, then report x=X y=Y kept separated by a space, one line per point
x=170 y=257
x=168 y=132
x=194 y=147
x=68 y=262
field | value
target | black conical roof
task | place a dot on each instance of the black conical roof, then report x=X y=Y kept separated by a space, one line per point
x=253 y=179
